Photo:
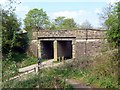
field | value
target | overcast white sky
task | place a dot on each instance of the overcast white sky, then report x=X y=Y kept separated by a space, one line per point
x=79 y=10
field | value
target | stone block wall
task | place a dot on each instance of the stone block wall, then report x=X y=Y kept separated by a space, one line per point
x=79 y=49
x=70 y=33
x=93 y=47
x=88 y=48
x=33 y=48
x=87 y=42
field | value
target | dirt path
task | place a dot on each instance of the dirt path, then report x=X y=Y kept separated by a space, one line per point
x=76 y=84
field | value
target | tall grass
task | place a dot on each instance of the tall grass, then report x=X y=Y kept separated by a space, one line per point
x=43 y=80
x=10 y=67
x=100 y=71
x=104 y=72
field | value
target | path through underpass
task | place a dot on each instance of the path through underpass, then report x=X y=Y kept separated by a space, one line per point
x=34 y=67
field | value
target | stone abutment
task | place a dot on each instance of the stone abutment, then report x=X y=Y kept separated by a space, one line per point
x=67 y=44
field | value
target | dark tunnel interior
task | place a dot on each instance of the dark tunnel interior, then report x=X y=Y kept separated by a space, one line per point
x=64 y=49
x=47 y=50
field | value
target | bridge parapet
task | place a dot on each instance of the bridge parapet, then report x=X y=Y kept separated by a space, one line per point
x=82 y=34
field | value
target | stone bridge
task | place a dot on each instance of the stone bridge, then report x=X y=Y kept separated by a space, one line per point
x=54 y=44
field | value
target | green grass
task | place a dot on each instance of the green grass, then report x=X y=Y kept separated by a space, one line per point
x=27 y=61
x=23 y=60
x=32 y=82
x=42 y=80
x=10 y=67
x=104 y=71
x=100 y=71
x=97 y=72
x=48 y=78
x=56 y=61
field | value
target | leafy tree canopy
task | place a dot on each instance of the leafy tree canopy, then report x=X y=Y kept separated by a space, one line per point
x=113 y=24
x=63 y=23
x=36 y=18
x=11 y=41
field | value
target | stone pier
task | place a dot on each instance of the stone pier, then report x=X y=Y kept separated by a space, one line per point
x=55 y=50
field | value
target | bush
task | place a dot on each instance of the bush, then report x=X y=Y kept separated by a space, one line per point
x=10 y=67
x=104 y=71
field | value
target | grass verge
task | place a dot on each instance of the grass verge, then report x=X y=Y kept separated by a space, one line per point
x=100 y=71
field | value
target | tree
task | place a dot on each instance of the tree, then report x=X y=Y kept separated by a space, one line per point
x=59 y=21
x=69 y=23
x=36 y=18
x=86 y=25
x=9 y=25
x=10 y=5
x=64 y=23
x=11 y=41
x=56 y=23
x=113 y=24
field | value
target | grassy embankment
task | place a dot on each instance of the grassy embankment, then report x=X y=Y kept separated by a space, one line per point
x=10 y=67
x=100 y=71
